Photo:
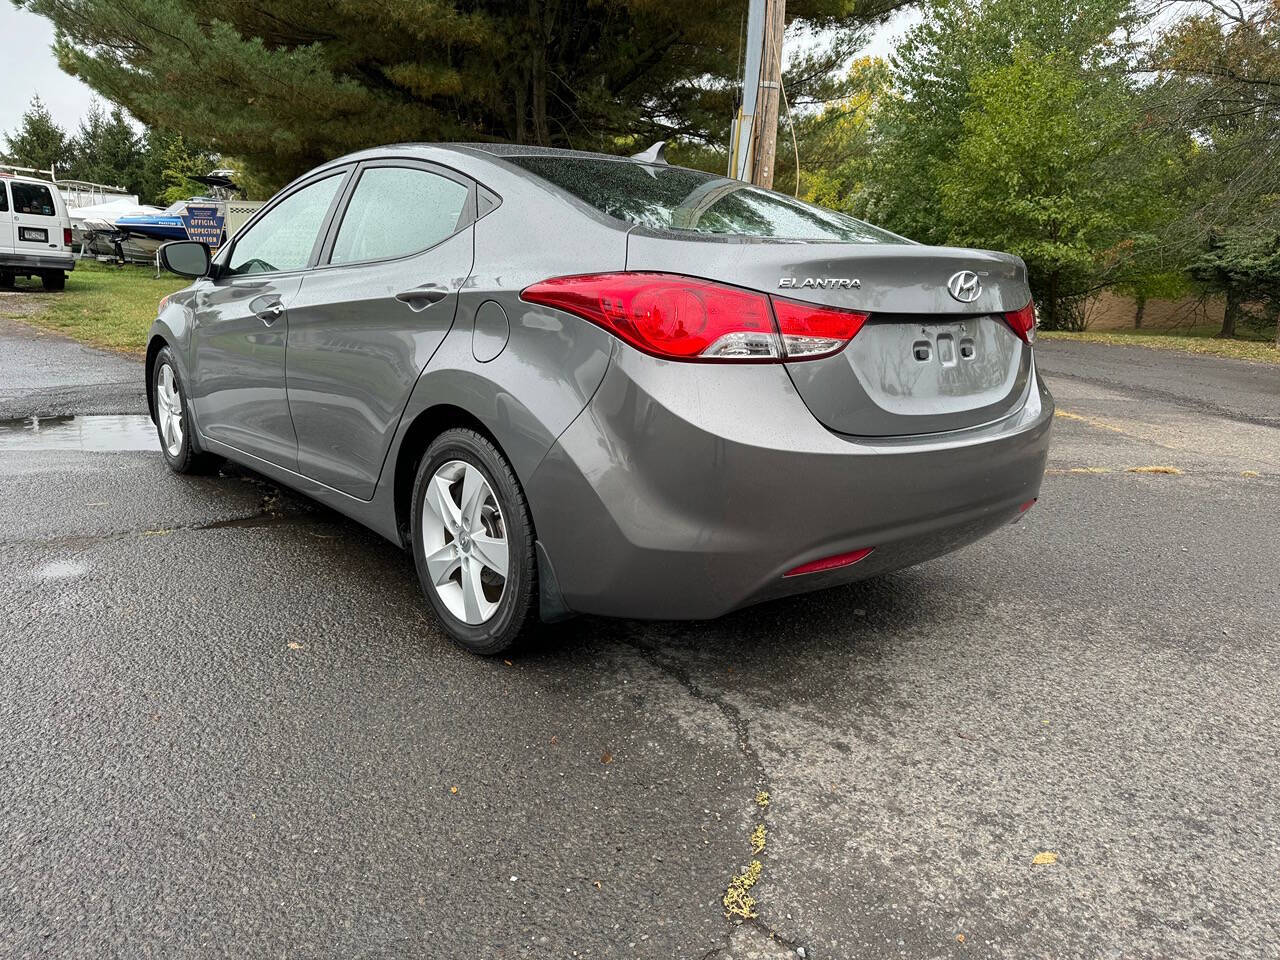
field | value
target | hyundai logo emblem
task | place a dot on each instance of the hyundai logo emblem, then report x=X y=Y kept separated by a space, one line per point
x=965 y=286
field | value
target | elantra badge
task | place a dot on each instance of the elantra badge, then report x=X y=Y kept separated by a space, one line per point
x=819 y=283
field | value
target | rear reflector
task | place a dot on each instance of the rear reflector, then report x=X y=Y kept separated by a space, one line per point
x=1023 y=322
x=830 y=563
x=685 y=318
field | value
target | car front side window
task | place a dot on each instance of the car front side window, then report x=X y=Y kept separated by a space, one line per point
x=396 y=211
x=285 y=236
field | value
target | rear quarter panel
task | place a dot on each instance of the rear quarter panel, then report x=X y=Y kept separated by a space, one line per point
x=550 y=363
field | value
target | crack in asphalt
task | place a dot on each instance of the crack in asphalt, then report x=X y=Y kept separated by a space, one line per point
x=265 y=516
x=742 y=730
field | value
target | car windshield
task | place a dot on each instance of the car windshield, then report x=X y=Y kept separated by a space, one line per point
x=662 y=197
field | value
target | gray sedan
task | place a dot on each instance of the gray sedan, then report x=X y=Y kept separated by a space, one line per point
x=574 y=383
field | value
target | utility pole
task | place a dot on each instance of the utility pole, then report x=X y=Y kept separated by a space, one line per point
x=769 y=99
x=755 y=130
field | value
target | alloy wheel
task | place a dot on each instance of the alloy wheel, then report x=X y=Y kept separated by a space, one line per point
x=169 y=411
x=464 y=539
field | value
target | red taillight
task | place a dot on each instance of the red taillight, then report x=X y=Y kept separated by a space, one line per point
x=1023 y=322
x=830 y=563
x=66 y=236
x=809 y=330
x=684 y=318
x=1024 y=507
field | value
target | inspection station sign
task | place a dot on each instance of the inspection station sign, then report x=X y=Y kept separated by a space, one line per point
x=204 y=222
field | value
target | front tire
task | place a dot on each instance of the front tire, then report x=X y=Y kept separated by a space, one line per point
x=473 y=542
x=173 y=419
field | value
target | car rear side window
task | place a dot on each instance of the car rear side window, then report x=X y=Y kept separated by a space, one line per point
x=396 y=211
x=666 y=198
x=4 y=197
x=285 y=236
x=33 y=198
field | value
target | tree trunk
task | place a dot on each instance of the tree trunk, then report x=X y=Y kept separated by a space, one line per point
x=1141 y=308
x=541 y=17
x=1052 y=318
x=1275 y=314
x=1230 y=314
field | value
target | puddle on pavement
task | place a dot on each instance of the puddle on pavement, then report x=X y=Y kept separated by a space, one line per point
x=94 y=434
x=60 y=570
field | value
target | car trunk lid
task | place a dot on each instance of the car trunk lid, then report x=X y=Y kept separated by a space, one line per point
x=924 y=362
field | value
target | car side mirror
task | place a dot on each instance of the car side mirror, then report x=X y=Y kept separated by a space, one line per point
x=186 y=258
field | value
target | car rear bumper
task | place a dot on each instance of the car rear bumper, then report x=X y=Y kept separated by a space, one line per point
x=27 y=261
x=685 y=491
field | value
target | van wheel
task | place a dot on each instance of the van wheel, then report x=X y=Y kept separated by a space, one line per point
x=55 y=280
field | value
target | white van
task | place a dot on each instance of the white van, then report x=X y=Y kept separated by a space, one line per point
x=35 y=232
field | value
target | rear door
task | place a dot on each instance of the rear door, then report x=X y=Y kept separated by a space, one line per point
x=242 y=323
x=6 y=220
x=369 y=318
x=37 y=227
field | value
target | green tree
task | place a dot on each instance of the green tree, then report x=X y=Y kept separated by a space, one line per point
x=1051 y=165
x=38 y=142
x=1242 y=268
x=178 y=163
x=107 y=149
x=1018 y=125
x=833 y=138
x=284 y=84
x=1217 y=76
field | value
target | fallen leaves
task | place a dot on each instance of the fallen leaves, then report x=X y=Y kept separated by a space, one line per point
x=1250 y=474
x=294 y=645
x=738 y=901
x=453 y=790
x=762 y=799
x=1044 y=859
x=1157 y=468
x=606 y=757
x=758 y=837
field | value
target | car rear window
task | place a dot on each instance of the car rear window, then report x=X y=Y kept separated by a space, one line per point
x=32 y=198
x=662 y=197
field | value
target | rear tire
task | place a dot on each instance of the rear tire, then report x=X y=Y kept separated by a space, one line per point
x=55 y=280
x=172 y=408
x=457 y=544
x=6 y=279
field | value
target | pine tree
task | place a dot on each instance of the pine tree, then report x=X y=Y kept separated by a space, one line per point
x=38 y=142
x=284 y=84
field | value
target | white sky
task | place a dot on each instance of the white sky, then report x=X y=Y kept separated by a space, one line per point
x=28 y=67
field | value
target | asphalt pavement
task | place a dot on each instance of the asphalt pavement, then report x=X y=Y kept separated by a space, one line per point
x=229 y=726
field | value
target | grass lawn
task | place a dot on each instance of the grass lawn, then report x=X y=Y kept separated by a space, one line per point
x=1198 y=340
x=106 y=306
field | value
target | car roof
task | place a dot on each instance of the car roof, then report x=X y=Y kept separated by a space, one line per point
x=483 y=150
x=19 y=178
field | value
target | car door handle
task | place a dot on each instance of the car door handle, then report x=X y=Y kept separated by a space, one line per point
x=269 y=313
x=419 y=298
